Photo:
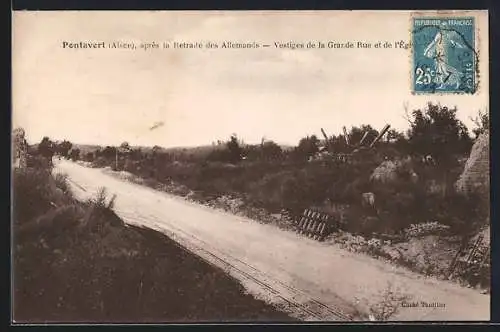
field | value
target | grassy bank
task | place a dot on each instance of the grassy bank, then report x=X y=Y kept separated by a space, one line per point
x=78 y=262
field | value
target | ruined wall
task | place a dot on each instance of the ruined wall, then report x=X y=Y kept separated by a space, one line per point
x=476 y=174
x=19 y=148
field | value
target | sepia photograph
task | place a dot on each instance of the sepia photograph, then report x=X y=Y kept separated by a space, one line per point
x=250 y=167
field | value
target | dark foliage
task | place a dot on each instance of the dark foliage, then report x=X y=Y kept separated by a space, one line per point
x=437 y=132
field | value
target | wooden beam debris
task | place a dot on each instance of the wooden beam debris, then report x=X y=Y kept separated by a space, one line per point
x=315 y=224
x=382 y=132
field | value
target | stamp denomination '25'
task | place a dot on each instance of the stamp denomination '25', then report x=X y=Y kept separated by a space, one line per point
x=444 y=56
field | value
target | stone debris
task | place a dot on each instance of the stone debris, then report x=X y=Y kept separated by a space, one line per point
x=389 y=171
x=19 y=149
x=476 y=174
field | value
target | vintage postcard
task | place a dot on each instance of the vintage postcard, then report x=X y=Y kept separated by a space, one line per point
x=250 y=166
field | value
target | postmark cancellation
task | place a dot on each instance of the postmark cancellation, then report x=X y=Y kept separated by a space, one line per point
x=444 y=54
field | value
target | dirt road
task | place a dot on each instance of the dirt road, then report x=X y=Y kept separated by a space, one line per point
x=309 y=279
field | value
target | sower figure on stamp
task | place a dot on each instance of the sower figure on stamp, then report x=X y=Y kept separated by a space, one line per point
x=446 y=75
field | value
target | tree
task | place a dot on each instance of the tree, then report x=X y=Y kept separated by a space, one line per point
x=337 y=144
x=271 y=150
x=89 y=156
x=46 y=148
x=156 y=149
x=74 y=154
x=109 y=152
x=357 y=134
x=308 y=147
x=63 y=148
x=234 y=148
x=436 y=131
x=135 y=154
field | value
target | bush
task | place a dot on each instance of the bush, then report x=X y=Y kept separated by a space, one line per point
x=463 y=213
x=35 y=192
x=270 y=190
x=99 y=200
x=89 y=156
x=61 y=181
x=39 y=162
x=102 y=162
x=130 y=166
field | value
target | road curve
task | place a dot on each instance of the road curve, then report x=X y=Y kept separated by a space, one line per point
x=311 y=280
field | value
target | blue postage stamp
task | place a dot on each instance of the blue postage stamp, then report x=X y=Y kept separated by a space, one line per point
x=444 y=56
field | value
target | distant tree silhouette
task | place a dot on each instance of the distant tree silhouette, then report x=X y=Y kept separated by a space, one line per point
x=308 y=147
x=271 y=151
x=74 y=154
x=337 y=144
x=108 y=152
x=135 y=154
x=156 y=149
x=46 y=148
x=436 y=131
x=63 y=148
x=89 y=156
x=234 y=149
x=357 y=133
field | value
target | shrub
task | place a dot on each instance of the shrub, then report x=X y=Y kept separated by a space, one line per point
x=61 y=181
x=99 y=200
x=476 y=274
x=463 y=213
x=39 y=162
x=101 y=162
x=295 y=191
x=269 y=191
x=89 y=156
x=34 y=193
x=130 y=166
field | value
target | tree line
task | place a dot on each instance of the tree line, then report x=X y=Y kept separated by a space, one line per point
x=433 y=131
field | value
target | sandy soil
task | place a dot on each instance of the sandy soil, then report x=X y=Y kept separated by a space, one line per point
x=309 y=279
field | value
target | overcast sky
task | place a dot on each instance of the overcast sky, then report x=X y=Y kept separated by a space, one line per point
x=110 y=96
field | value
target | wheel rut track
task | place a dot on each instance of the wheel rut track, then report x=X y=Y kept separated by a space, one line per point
x=319 y=311
x=323 y=312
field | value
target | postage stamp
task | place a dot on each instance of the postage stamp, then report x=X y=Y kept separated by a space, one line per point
x=444 y=55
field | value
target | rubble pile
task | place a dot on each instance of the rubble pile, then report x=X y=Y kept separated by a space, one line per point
x=428 y=228
x=475 y=176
